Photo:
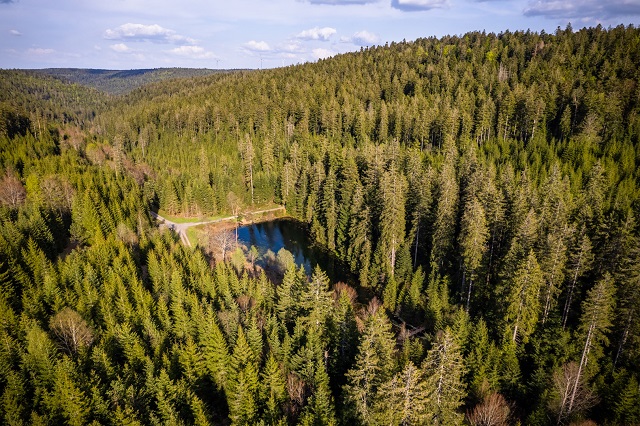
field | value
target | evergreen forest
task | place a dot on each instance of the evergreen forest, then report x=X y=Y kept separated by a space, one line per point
x=482 y=189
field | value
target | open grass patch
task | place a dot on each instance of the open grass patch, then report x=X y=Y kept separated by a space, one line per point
x=193 y=234
x=180 y=219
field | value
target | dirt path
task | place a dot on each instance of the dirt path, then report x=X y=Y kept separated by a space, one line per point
x=181 y=228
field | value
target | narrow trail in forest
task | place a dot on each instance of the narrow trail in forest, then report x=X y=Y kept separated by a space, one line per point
x=181 y=228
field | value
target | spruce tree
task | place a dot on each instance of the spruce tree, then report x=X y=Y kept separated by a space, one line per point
x=444 y=369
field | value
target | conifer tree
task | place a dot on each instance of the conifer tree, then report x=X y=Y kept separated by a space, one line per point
x=580 y=259
x=473 y=240
x=392 y=219
x=320 y=409
x=330 y=208
x=272 y=389
x=444 y=369
x=595 y=322
x=374 y=364
x=553 y=264
x=629 y=302
x=346 y=188
x=447 y=199
x=523 y=307
x=316 y=301
x=214 y=351
x=243 y=383
x=404 y=399
x=360 y=247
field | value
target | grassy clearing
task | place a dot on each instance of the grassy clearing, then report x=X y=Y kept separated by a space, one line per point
x=193 y=235
x=248 y=213
x=178 y=219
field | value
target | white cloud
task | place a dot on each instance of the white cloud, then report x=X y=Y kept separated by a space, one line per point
x=317 y=33
x=321 y=53
x=140 y=32
x=257 y=46
x=15 y=33
x=361 y=38
x=120 y=48
x=419 y=5
x=194 y=52
x=583 y=9
x=341 y=2
x=291 y=46
x=39 y=51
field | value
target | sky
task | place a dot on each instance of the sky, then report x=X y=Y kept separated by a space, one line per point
x=133 y=34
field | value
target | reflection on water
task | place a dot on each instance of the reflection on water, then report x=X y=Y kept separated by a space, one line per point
x=293 y=236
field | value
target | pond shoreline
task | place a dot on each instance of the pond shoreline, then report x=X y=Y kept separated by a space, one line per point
x=248 y=219
x=294 y=236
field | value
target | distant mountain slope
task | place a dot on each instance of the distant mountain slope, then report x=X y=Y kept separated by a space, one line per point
x=29 y=99
x=123 y=81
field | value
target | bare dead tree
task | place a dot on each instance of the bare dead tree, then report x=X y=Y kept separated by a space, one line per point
x=12 y=192
x=565 y=383
x=71 y=330
x=492 y=411
x=220 y=242
x=57 y=193
x=235 y=204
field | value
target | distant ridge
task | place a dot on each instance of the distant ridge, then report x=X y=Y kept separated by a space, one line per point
x=122 y=81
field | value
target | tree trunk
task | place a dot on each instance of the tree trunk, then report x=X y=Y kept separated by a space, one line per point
x=625 y=335
x=583 y=362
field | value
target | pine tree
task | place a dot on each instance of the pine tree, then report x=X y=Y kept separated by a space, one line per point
x=214 y=350
x=628 y=309
x=329 y=208
x=595 y=322
x=523 y=307
x=437 y=303
x=625 y=405
x=320 y=406
x=316 y=301
x=553 y=264
x=247 y=154
x=405 y=399
x=346 y=189
x=418 y=202
x=444 y=369
x=272 y=389
x=445 y=213
x=473 y=242
x=374 y=364
x=345 y=334
x=392 y=219
x=481 y=361
x=580 y=260
x=288 y=294
x=243 y=383
x=360 y=247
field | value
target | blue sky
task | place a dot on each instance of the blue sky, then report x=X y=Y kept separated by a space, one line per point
x=128 y=34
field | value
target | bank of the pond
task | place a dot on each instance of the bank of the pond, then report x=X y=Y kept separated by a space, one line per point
x=293 y=235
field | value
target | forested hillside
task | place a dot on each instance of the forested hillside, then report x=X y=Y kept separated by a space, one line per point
x=482 y=188
x=122 y=81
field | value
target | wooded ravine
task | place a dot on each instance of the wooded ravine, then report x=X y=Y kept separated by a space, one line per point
x=482 y=189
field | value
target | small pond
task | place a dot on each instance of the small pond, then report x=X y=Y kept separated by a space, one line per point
x=293 y=236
